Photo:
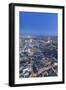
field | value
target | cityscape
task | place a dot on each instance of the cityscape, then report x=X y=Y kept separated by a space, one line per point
x=38 y=56
x=38 y=44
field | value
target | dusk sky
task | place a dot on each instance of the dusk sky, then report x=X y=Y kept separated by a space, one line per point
x=33 y=23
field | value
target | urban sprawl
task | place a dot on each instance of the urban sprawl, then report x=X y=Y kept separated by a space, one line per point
x=38 y=56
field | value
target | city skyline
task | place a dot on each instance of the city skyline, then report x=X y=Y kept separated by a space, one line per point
x=38 y=55
x=43 y=24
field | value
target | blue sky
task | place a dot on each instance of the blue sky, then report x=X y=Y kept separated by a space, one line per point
x=33 y=23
